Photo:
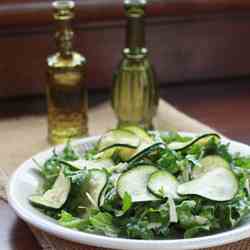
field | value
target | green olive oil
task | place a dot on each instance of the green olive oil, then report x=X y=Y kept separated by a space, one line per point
x=135 y=91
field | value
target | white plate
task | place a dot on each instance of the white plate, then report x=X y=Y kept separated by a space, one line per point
x=25 y=181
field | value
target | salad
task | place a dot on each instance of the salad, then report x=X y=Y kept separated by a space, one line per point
x=141 y=184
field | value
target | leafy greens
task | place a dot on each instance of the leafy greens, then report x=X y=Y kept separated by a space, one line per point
x=121 y=217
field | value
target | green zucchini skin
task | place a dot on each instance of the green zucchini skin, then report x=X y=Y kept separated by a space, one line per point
x=118 y=140
x=118 y=136
x=185 y=145
x=140 y=132
x=118 y=145
x=88 y=164
x=92 y=189
x=122 y=149
x=145 y=152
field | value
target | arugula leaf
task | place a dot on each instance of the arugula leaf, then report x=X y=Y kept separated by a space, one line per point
x=168 y=161
x=90 y=154
x=196 y=219
x=197 y=231
x=148 y=221
x=68 y=220
x=126 y=202
x=126 y=205
x=97 y=222
x=49 y=172
x=68 y=153
x=51 y=168
x=184 y=211
x=77 y=177
x=103 y=223
x=174 y=136
x=139 y=229
x=242 y=161
x=79 y=184
x=214 y=146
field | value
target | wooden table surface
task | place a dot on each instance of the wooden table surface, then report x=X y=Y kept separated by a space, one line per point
x=224 y=105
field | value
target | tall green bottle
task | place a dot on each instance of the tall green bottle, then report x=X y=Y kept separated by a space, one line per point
x=135 y=91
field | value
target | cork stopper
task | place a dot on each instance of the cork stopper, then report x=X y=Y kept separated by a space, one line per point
x=63 y=9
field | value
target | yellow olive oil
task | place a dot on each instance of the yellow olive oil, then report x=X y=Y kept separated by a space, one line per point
x=66 y=90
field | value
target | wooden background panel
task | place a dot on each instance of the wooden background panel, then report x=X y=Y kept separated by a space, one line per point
x=201 y=49
x=181 y=49
x=20 y=13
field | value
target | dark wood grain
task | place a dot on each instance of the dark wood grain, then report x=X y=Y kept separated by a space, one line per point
x=223 y=105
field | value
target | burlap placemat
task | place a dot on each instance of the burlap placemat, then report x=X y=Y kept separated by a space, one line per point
x=25 y=136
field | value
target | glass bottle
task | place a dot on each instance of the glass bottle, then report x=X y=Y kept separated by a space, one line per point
x=135 y=91
x=66 y=92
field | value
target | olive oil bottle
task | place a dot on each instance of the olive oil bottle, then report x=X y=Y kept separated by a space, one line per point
x=135 y=91
x=66 y=92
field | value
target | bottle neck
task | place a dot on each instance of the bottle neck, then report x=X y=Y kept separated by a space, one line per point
x=64 y=36
x=135 y=34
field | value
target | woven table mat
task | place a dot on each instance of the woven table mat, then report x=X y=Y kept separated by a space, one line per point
x=24 y=136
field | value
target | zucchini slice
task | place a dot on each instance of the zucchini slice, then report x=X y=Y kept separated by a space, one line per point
x=140 y=132
x=56 y=196
x=118 y=137
x=106 y=153
x=113 y=178
x=124 y=151
x=146 y=150
x=98 y=181
x=135 y=181
x=219 y=184
x=89 y=164
x=202 y=139
x=209 y=163
x=163 y=184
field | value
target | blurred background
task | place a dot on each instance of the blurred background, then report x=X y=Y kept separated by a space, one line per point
x=188 y=40
x=200 y=49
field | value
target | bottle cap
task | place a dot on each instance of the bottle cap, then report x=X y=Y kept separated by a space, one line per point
x=135 y=7
x=63 y=9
